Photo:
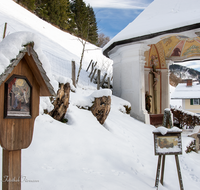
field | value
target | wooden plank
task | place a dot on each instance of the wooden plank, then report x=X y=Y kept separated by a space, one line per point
x=158 y=171
x=109 y=82
x=162 y=170
x=98 y=78
x=74 y=73
x=103 y=80
x=11 y=178
x=93 y=75
x=179 y=173
x=4 y=32
x=89 y=66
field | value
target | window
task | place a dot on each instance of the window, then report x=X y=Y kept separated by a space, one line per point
x=194 y=101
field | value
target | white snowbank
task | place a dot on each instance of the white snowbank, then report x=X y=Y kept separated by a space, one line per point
x=87 y=101
x=164 y=130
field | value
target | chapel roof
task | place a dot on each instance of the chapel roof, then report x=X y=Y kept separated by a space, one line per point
x=161 y=17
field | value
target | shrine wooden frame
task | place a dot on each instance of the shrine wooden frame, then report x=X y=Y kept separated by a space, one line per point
x=169 y=134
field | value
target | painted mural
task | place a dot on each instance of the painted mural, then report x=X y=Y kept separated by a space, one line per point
x=181 y=47
x=155 y=56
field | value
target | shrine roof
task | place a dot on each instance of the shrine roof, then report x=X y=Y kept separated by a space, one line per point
x=14 y=47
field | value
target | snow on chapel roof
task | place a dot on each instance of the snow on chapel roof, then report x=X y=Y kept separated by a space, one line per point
x=183 y=91
x=161 y=16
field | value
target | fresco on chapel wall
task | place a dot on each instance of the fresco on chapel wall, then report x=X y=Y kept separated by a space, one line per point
x=155 y=56
x=181 y=47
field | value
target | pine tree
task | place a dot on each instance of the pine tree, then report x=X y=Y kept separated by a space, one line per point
x=30 y=4
x=85 y=22
x=56 y=12
x=93 y=35
x=79 y=9
x=41 y=9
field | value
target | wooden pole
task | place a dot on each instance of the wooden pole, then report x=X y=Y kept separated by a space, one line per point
x=103 y=80
x=109 y=82
x=11 y=175
x=179 y=173
x=158 y=171
x=162 y=170
x=93 y=75
x=89 y=65
x=74 y=73
x=4 y=33
x=98 y=78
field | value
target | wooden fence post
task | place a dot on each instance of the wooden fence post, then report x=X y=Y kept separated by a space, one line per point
x=89 y=65
x=74 y=73
x=109 y=82
x=103 y=80
x=93 y=66
x=4 y=33
x=98 y=79
x=93 y=75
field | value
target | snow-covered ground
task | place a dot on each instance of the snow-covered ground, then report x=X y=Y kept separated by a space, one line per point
x=83 y=154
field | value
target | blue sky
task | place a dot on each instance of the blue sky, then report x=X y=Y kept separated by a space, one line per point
x=111 y=21
x=114 y=15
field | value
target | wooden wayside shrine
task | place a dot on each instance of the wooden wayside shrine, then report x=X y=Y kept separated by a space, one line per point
x=167 y=144
x=21 y=85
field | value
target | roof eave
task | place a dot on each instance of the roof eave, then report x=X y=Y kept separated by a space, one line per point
x=150 y=36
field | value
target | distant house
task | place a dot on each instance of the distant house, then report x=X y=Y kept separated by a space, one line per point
x=190 y=94
x=167 y=31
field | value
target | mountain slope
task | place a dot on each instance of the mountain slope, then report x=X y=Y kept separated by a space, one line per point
x=184 y=72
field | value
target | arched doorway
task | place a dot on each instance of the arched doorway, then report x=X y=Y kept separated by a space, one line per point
x=170 y=49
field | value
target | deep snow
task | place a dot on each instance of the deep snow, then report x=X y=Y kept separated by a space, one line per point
x=83 y=154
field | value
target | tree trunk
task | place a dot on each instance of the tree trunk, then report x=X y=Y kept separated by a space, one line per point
x=80 y=67
x=61 y=103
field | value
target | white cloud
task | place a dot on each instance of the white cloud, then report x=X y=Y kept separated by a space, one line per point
x=119 y=4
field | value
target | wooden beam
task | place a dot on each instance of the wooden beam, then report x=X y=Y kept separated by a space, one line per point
x=158 y=171
x=74 y=73
x=179 y=173
x=4 y=32
x=162 y=170
x=11 y=176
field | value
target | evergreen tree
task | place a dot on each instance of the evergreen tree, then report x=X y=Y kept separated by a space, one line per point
x=41 y=9
x=85 y=25
x=30 y=4
x=79 y=9
x=56 y=12
x=93 y=35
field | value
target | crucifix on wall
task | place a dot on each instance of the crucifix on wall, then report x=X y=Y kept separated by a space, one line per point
x=155 y=74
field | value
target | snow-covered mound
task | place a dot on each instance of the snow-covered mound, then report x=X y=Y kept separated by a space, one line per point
x=82 y=154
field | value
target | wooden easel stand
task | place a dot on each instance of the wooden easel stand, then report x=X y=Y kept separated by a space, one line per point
x=162 y=171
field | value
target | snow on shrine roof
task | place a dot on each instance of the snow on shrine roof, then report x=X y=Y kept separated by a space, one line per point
x=183 y=91
x=12 y=50
x=161 y=16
